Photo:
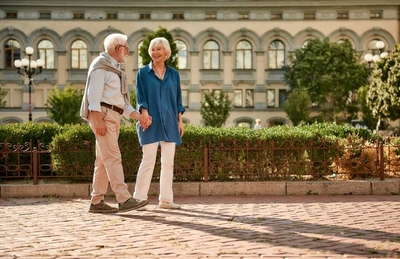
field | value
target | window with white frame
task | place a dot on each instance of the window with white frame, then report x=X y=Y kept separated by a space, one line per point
x=139 y=57
x=182 y=54
x=238 y=101
x=276 y=55
x=243 y=55
x=46 y=53
x=211 y=55
x=249 y=98
x=12 y=52
x=79 y=55
x=270 y=97
x=372 y=48
x=282 y=97
x=185 y=98
x=238 y=98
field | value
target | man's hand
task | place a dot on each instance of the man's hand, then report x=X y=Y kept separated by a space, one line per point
x=98 y=121
x=144 y=118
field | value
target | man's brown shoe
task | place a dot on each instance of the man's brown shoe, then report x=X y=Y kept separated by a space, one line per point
x=102 y=207
x=132 y=204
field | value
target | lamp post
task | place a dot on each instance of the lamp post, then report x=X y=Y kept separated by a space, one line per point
x=29 y=68
x=380 y=45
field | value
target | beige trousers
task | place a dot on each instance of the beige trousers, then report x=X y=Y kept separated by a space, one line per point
x=146 y=169
x=108 y=165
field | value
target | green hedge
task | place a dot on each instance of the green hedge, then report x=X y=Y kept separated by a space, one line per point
x=233 y=153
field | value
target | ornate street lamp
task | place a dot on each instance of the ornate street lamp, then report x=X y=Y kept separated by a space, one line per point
x=29 y=68
x=380 y=45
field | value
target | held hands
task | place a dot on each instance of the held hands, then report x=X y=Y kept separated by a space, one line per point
x=144 y=118
x=145 y=121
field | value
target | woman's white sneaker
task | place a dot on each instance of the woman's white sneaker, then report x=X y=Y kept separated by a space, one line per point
x=168 y=205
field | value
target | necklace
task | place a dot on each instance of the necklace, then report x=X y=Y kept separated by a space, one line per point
x=160 y=75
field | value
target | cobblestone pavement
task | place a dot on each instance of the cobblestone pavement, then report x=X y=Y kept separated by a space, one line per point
x=312 y=226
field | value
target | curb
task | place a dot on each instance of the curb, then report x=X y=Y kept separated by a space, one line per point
x=357 y=187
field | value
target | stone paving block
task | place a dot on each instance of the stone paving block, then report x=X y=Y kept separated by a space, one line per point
x=242 y=188
x=43 y=190
x=329 y=187
x=212 y=227
x=387 y=186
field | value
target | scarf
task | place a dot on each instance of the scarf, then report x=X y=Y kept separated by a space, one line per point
x=103 y=61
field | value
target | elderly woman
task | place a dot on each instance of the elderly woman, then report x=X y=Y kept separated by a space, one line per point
x=158 y=95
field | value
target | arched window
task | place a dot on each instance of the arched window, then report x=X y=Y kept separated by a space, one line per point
x=46 y=53
x=344 y=40
x=12 y=51
x=276 y=55
x=182 y=54
x=244 y=59
x=373 y=49
x=243 y=124
x=79 y=55
x=305 y=43
x=139 y=57
x=211 y=55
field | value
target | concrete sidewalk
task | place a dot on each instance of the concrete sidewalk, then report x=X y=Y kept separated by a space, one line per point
x=304 y=226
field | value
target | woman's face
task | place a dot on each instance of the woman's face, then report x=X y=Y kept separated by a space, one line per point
x=158 y=53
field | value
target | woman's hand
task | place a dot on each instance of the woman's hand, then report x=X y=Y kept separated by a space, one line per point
x=144 y=119
x=181 y=128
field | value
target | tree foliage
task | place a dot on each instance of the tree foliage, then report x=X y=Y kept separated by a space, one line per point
x=297 y=106
x=215 y=108
x=367 y=118
x=331 y=72
x=2 y=96
x=161 y=32
x=63 y=105
x=383 y=97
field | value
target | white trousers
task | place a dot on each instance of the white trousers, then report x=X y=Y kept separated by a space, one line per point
x=146 y=169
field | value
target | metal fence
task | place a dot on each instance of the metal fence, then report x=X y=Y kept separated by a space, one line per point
x=229 y=161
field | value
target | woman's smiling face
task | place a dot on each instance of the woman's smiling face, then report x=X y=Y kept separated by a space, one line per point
x=158 y=53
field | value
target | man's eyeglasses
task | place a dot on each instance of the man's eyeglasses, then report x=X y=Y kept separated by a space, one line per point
x=127 y=48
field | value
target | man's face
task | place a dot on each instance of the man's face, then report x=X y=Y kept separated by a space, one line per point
x=121 y=52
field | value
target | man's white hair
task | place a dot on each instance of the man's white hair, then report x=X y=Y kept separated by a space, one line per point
x=113 y=40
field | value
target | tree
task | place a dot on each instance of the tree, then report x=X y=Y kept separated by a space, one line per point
x=367 y=118
x=215 y=108
x=297 y=105
x=331 y=72
x=63 y=105
x=161 y=32
x=383 y=97
x=2 y=96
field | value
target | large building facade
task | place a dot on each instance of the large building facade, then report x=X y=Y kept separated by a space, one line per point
x=238 y=46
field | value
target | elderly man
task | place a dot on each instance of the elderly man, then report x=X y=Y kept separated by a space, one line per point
x=106 y=97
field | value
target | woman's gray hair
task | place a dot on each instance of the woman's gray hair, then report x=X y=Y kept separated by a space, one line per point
x=160 y=41
x=113 y=40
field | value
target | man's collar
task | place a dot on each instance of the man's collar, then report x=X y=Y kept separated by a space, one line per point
x=112 y=60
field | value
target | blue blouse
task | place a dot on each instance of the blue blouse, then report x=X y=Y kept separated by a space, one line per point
x=163 y=101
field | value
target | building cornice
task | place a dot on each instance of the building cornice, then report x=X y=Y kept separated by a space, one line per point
x=161 y=4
